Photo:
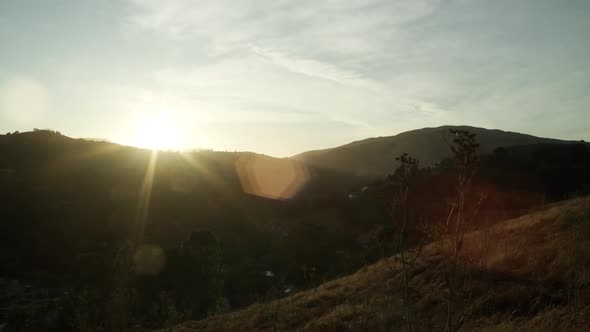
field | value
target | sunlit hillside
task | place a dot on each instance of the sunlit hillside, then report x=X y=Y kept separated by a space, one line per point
x=526 y=274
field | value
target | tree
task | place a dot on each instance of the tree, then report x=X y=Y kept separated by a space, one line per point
x=202 y=272
x=401 y=177
x=464 y=150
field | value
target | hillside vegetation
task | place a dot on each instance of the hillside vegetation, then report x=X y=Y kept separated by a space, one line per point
x=76 y=214
x=375 y=157
x=108 y=237
x=526 y=274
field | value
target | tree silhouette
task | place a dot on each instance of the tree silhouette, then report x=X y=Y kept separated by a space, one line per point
x=464 y=150
x=402 y=176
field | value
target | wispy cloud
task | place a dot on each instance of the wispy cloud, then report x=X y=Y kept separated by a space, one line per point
x=323 y=27
x=313 y=68
x=325 y=42
x=241 y=74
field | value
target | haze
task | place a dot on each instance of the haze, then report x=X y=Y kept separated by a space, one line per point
x=282 y=77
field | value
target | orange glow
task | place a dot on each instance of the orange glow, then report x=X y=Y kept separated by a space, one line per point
x=270 y=177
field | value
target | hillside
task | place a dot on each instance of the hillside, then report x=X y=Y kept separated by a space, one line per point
x=201 y=232
x=375 y=157
x=526 y=274
x=69 y=208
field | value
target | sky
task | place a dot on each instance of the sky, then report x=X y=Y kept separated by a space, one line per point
x=284 y=76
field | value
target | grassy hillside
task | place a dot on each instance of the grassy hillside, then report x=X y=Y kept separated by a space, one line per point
x=185 y=235
x=375 y=157
x=527 y=274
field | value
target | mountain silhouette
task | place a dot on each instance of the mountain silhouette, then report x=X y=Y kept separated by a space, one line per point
x=375 y=157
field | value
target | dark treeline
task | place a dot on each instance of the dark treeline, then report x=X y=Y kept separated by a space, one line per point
x=69 y=217
x=69 y=214
x=509 y=182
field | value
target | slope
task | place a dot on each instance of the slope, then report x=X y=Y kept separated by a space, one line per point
x=375 y=157
x=527 y=274
x=69 y=206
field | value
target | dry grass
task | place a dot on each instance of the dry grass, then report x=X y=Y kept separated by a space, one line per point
x=526 y=274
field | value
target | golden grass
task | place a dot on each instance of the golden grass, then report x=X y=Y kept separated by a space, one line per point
x=526 y=274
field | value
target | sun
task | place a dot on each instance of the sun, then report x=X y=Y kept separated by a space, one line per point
x=158 y=132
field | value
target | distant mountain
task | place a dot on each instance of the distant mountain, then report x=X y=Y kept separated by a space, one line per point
x=94 y=139
x=375 y=157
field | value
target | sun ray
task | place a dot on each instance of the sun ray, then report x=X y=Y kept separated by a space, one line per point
x=143 y=202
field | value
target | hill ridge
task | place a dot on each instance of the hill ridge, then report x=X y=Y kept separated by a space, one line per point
x=375 y=157
x=469 y=127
